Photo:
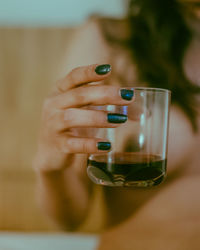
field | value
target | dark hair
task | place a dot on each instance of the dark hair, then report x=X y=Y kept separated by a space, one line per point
x=159 y=38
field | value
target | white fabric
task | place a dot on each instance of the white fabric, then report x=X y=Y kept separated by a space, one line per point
x=18 y=241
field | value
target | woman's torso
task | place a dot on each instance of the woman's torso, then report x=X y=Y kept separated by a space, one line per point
x=184 y=146
x=183 y=153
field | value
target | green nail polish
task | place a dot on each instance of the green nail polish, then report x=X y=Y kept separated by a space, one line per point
x=103 y=69
x=103 y=145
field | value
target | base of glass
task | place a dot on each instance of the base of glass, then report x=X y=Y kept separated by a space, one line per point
x=99 y=177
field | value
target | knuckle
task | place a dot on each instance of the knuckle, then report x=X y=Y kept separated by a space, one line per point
x=72 y=75
x=46 y=104
x=99 y=118
x=87 y=72
x=68 y=116
x=56 y=122
x=68 y=146
x=86 y=146
x=80 y=96
x=105 y=93
x=81 y=146
x=95 y=120
x=50 y=117
x=58 y=84
x=46 y=109
x=50 y=122
x=73 y=72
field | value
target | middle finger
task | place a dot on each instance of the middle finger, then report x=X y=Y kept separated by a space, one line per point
x=97 y=95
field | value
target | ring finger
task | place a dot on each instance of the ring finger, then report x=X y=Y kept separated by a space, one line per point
x=77 y=118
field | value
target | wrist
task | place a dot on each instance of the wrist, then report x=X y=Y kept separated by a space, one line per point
x=46 y=166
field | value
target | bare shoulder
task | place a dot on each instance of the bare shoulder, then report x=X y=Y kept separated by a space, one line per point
x=183 y=141
x=89 y=32
x=96 y=32
x=89 y=43
x=177 y=201
x=115 y=29
x=86 y=46
x=170 y=220
x=174 y=214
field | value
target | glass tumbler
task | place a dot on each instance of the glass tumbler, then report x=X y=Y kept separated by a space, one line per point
x=138 y=155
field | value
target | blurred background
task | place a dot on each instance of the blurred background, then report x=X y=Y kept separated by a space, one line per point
x=33 y=38
x=55 y=12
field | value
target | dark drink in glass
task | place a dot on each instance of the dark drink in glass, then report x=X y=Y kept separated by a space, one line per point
x=127 y=169
x=138 y=154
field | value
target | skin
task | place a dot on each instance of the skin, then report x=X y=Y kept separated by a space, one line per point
x=192 y=7
x=59 y=142
x=166 y=216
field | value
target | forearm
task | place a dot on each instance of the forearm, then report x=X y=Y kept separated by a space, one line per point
x=63 y=135
x=64 y=197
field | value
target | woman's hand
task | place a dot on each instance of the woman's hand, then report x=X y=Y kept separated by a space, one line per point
x=64 y=111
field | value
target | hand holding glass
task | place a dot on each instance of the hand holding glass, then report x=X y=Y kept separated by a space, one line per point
x=138 y=156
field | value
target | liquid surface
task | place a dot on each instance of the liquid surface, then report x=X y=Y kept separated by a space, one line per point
x=126 y=169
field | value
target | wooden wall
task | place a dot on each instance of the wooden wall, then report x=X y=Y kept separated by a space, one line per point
x=29 y=64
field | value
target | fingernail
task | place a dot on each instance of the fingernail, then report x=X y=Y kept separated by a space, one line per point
x=127 y=94
x=116 y=118
x=103 y=145
x=103 y=69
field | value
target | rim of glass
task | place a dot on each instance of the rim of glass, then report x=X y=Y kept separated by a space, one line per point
x=149 y=89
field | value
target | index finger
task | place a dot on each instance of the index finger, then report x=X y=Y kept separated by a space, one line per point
x=83 y=75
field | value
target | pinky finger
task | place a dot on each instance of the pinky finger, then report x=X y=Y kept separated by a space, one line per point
x=84 y=145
